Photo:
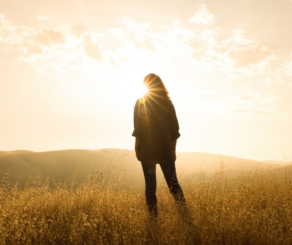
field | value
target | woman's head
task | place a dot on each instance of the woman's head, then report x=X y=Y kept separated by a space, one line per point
x=155 y=87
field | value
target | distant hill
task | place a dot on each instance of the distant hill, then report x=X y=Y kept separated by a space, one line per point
x=61 y=164
x=282 y=172
x=3 y=153
x=278 y=162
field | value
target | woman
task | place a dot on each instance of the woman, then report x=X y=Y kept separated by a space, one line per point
x=156 y=130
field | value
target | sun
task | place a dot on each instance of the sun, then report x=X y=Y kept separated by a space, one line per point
x=128 y=89
x=143 y=90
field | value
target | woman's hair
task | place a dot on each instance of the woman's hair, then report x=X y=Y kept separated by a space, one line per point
x=156 y=88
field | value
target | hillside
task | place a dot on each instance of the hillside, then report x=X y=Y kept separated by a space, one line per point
x=219 y=212
x=61 y=164
x=282 y=173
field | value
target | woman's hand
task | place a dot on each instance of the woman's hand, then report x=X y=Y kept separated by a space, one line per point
x=137 y=154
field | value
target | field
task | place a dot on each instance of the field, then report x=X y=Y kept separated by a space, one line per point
x=254 y=208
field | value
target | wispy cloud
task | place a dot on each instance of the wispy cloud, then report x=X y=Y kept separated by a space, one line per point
x=249 y=55
x=245 y=98
x=203 y=16
x=133 y=44
x=79 y=29
x=244 y=111
x=50 y=37
x=92 y=49
x=42 y=17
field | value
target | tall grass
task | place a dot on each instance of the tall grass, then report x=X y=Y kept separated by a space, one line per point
x=251 y=209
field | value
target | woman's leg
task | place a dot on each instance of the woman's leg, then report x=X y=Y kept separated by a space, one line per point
x=150 y=187
x=175 y=189
x=172 y=182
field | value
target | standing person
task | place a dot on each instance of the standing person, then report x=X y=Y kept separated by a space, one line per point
x=156 y=130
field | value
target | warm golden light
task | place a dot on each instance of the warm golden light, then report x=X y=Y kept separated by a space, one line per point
x=80 y=67
x=143 y=90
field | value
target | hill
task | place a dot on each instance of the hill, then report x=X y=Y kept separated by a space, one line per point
x=61 y=164
x=282 y=173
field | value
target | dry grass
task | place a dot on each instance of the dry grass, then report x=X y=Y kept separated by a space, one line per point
x=254 y=209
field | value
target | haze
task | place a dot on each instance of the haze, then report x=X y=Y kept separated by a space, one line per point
x=71 y=72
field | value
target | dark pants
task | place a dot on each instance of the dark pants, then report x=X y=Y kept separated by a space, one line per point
x=169 y=173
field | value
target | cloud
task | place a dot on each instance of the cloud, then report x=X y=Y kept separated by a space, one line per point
x=137 y=27
x=50 y=37
x=235 y=54
x=117 y=32
x=42 y=17
x=259 y=98
x=8 y=34
x=79 y=29
x=48 y=50
x=196 y=45
x=203 y=16
x=257 y=112
x=199 y=49
x=249 y=55
x=274 y=77
x=91 y=49
x=239 y=38
x=125 y=46
x=286 y=68
x=33 y=49
x=282 y=73
x=144 y=44
x=5 y=24
x=232 y=76
x=245 y=98
x=238 y=53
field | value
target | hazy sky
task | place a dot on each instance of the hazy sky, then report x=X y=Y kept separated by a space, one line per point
x=71 y=71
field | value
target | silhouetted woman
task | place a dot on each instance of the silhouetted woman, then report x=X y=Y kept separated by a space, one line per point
x=156 y=130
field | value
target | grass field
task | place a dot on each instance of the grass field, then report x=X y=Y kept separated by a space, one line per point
x=251 y=209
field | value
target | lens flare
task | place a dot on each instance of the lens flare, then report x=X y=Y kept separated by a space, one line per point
x=144 y=90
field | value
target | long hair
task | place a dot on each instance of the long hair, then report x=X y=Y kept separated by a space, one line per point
x=156 y=89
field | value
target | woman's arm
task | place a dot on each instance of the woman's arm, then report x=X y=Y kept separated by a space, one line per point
x=174 y=144
x=174 y=129
x=137 y=145
x=174 y=148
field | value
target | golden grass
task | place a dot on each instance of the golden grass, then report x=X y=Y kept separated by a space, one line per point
x=253 y=209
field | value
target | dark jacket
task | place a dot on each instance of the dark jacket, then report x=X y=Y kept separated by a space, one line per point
x=156 y=125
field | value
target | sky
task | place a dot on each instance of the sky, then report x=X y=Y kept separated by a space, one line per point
x=72 y=70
